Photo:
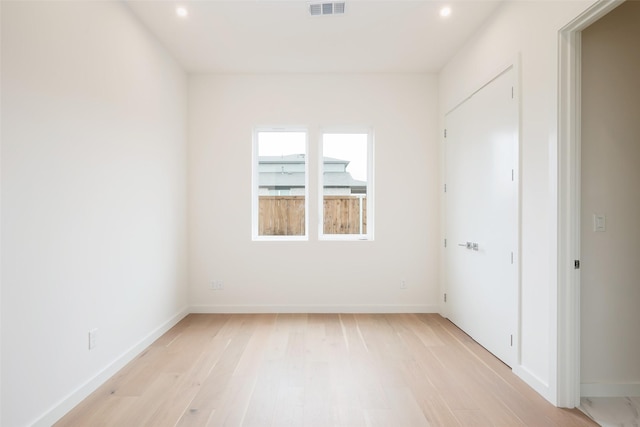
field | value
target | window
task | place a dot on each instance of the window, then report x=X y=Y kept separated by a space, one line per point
x=280 y=182
x=346 y=201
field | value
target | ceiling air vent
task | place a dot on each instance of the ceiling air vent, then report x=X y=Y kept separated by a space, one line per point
x=318 y=9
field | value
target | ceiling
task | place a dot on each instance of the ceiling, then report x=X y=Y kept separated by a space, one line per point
x=265 y=36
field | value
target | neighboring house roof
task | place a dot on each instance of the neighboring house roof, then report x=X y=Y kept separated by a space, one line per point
x=342 y=179
x=288 y=159
x=296 y=179
x=284 y=178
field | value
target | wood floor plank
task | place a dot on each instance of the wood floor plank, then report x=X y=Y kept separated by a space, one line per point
x=472 y=418
x=289 y=409
x=320 y=370
x=524 y=402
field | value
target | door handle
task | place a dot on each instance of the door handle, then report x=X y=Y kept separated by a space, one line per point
x=470 y=245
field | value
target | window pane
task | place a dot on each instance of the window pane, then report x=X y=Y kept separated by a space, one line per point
x=282 y=177
x=345 y=178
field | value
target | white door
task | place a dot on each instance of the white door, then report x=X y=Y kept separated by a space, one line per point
x=481 y=209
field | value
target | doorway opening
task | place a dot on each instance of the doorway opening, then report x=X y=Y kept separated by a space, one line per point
x=570 y=204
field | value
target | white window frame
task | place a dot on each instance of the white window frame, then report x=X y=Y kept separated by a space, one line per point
x=369 y=235
x=255 y=190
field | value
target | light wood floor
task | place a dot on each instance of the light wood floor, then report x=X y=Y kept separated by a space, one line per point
x=397 y=370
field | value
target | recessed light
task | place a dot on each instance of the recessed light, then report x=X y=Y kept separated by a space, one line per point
x=182 y=12
x=445 y=11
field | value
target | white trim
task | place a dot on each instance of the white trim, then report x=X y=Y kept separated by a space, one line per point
x=255 y=177
x=517 y=94
x=362 y=130
x=568 y=292
x=337 y=308
x=610 y=390
x=536 y=383
x=61 y=408
x=344 y=238
x=280 y=238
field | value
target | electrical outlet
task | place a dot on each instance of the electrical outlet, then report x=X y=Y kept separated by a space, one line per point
x=93 y=335
x=216 y=285
x=403 y=284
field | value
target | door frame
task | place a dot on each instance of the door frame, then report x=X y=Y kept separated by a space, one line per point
x=569 y=173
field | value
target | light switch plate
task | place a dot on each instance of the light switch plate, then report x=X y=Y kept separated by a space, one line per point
x=599 y=223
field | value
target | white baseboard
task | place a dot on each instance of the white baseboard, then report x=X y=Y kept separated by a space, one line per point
x=609 y=390
x=75 y=397
x=248 y=309
x=541 y=387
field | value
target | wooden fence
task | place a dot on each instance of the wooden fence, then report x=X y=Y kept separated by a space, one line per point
x=284 y=215
x=345 y=215
x=281 y=216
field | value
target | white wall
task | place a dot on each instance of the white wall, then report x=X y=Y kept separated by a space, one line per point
x=529 y=30
x=0 y=217
x=93 y=199
x=314 y=275
x=610 y=147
